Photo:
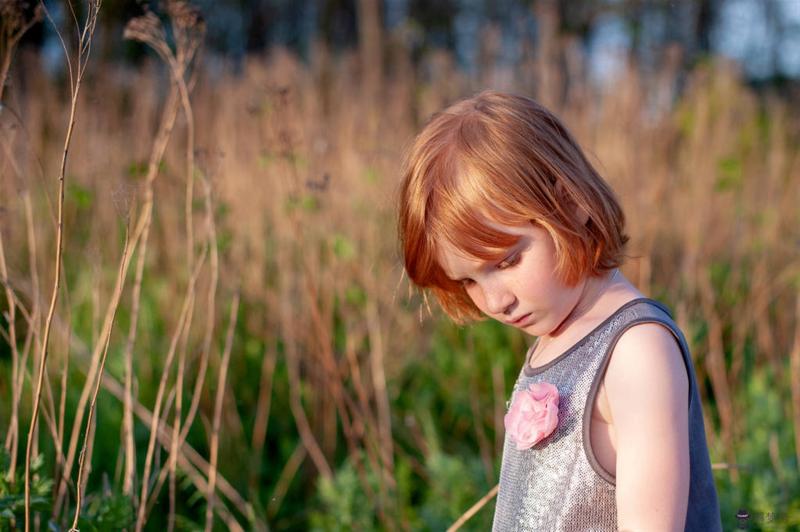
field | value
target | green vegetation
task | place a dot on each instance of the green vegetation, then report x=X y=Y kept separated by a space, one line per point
x=349 y=401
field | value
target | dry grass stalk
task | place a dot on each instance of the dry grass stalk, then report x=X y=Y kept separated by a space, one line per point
x=32 y=318
x=381 y=393
x=162 y=137
x=473 y=509
x=287 y=321
x=90 y=421
x=342 y=402
x=794 y=380
x=93 y=372
x=181 y=430
x=285 y=478
x=188 y=302
x=188 y=29
x=84 y=49
x=15 y=20
x=263 y=404
x=314 y=287
x=303 y=426
x=172 y=461
x=223 y=373
x=715 y=365
x=210 y=307
x=188 y=458
x=13 y=428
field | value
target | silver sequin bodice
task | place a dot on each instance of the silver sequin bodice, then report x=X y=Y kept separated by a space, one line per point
x=558 y=484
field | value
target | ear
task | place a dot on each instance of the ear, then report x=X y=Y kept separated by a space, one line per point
x=564 y=197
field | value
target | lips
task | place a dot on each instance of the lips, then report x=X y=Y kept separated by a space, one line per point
x=519 y=320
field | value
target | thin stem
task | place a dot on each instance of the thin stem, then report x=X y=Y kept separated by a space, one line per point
x=473 y=510
x=223 y=374
x=88 y=34
x=148 y=463
x=79 y=482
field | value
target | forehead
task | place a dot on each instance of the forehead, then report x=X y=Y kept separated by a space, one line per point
x=460 y=256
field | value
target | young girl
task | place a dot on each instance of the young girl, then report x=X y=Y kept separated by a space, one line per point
x=502 y=215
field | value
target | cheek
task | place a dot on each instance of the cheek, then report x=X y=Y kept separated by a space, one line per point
x=537 y=283
x=476 y=295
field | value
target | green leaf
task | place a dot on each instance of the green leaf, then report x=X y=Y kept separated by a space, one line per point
x=80 y=195
x=343 y=247
x=730 y=174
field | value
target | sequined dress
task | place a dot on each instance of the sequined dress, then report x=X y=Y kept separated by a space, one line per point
x=559 y=484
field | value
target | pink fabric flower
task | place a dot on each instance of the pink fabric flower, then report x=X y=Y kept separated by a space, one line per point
x=533 y=414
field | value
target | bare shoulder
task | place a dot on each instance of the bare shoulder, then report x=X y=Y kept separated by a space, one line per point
x=647 y=365
x=647 y=391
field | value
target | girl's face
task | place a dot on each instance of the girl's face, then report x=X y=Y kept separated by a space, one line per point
x=521 y=290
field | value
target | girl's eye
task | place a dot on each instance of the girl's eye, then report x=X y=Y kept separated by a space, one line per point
x=510 y=261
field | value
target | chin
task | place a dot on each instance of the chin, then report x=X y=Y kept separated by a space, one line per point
x=542 y=328
x=535 y=329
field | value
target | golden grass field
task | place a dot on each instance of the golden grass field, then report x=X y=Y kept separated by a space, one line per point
x=246 y=287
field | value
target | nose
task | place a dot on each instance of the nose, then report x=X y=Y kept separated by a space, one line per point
x=498 y=298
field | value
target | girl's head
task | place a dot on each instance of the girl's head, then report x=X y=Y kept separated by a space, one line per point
x=496 y=161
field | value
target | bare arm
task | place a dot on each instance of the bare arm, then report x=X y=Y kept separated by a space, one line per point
x=647 y=389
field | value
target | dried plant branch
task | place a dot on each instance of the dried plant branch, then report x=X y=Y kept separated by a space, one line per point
x=223 y=374
x=303 y=427
x=189 y=30
x=210 y=308
x=794 y=367
x=148 y=29
x=473 y=509
x=381 y=394
x=168 y=117
x=188 y=457
x=263 y=404
x=172 y=461
x=341 y=400
x=715 y=364
x=14 y=23
x=148 y=461
x=13 y=428
x=93 y=371
x=119 y=287
x=285 y=478
x=86 y=39
x=64 y=47
x=184 y=426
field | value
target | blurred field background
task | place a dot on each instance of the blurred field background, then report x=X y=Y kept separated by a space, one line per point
x=230 y=257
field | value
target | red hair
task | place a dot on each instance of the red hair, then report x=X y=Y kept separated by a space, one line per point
x=502 y=158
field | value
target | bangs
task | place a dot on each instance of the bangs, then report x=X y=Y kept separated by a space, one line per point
x=466 y=227
x=460 y=210
x=459 y=213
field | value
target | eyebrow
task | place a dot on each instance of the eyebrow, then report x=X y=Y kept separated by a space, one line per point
x=508 y=252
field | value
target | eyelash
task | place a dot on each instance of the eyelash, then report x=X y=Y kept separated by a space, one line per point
x=510 y=261
x=502 y=265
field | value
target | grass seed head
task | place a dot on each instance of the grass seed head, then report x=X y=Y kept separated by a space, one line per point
x=185 y=16
x=16 y=16
x=146 y=28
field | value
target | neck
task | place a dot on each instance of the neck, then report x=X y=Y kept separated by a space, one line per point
x=591 y=292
